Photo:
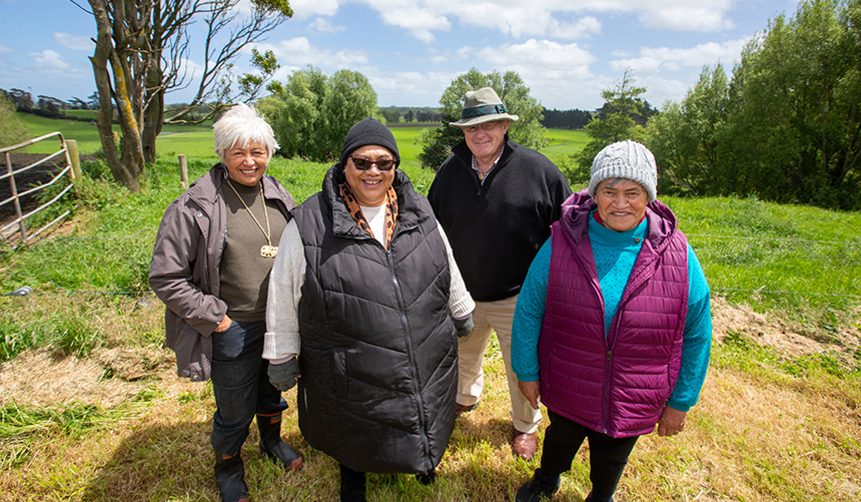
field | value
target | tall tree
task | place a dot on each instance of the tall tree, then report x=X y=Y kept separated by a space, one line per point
x=313 y=112
x=139 y=53
x=615 y=121
x=686 y=137
x=527 y=131
x=787 y=127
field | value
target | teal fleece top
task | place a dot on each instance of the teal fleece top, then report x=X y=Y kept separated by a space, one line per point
x=614 y=260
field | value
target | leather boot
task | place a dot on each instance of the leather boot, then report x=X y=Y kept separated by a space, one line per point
x=272 y=445
x=230 y=477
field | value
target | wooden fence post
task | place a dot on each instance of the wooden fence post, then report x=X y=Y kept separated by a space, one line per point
x=183 y=172
x=75 y=159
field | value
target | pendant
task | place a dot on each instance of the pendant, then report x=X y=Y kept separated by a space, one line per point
x=268 y=251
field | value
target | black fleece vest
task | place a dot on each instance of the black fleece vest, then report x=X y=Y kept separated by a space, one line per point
x=378 y=362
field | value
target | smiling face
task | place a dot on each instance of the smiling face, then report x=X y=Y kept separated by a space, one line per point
x=246 y=165
x=486 y=144
x=621 y=203
x=369 y=187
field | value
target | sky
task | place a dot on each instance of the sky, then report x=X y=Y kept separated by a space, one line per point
x=566 y=51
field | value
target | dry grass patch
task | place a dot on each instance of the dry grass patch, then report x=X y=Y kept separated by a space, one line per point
x=761 y=435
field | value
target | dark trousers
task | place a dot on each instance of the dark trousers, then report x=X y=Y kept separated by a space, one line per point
x=241 y=384
x=607 y=456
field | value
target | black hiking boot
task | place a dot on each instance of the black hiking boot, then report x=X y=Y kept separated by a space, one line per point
x=540 y=486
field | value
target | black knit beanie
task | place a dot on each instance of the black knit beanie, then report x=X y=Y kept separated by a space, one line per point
x=368 y=132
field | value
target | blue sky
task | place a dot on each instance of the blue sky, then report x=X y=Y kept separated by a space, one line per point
x=566 y=51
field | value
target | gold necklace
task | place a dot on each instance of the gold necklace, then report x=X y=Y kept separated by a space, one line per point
x=267 y=250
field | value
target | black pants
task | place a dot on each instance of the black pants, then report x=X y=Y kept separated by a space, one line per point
x=607 y=456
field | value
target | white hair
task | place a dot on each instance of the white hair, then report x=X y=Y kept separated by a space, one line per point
x=242 y=124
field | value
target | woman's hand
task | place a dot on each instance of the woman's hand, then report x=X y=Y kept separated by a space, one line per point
x=532 y=392
x=224 y=324
x=672 y=421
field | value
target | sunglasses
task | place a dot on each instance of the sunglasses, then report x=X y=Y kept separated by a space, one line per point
x=383 y=165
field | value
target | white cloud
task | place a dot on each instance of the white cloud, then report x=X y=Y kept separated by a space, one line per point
x=323 y=25
x=540 y=18
x=543 y=55
x=299 y=52
x=583 y=28
x=303 y=9
x=653 y=60
x=6 y=50
x=48 y=59
x=74 y=42
x=703 y=16
x=419 y=21
x=548 y=68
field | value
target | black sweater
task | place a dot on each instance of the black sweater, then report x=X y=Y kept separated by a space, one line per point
x=496 y=228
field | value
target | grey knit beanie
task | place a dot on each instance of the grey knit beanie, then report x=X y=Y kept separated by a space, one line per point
x=365 y=132
x=625 y=159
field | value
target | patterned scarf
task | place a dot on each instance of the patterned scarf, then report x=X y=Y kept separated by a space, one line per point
x=356 y=211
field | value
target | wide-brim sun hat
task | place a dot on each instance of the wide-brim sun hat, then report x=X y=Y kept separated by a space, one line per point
x=482 y=106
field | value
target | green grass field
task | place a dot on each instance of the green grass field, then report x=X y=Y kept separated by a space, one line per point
x=91 y=409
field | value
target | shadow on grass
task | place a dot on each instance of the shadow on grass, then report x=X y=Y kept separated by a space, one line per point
x=176 y=462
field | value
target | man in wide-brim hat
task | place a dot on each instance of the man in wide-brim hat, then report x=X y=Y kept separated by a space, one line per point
x=495 y=200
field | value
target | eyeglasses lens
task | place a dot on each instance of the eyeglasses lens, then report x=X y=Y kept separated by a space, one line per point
x=363 y=164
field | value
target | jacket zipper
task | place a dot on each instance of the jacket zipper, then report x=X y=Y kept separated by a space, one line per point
x=411 y=355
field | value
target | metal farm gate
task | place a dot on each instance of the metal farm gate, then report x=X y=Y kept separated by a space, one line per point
x=8 y=234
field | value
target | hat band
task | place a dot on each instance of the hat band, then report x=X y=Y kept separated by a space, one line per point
x=478 y=111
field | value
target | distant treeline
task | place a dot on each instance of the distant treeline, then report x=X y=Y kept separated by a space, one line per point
x=406 y=114
x=565 y=119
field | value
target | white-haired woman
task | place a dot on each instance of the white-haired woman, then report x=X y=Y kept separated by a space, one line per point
x=213 y=254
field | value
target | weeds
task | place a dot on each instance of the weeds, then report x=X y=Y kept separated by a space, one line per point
x=768 y=427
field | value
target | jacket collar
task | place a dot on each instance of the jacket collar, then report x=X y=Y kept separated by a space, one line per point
x=410 y=213
x=577 y=209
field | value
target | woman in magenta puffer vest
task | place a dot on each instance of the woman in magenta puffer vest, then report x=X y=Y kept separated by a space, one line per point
x=612 y=327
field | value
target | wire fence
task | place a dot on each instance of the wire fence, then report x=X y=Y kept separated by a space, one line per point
x=763 y=290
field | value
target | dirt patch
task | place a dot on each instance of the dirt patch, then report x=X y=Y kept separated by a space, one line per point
x=41 y=174
x=110 y=376
x=775 y=333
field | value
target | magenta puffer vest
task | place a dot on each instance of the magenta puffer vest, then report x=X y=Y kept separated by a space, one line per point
x=615 y=384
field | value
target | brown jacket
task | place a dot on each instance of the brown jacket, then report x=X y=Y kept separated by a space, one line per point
x=184 y=269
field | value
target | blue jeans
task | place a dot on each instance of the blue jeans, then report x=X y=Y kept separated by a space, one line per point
x=240 y=383
x=607 y=456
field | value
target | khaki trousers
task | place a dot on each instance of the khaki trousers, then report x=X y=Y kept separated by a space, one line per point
x=488 y=317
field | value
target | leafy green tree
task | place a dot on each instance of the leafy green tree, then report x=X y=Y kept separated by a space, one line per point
x=795 y=120
x=313 y=112
x=527 y=131
x=12 y=129
x=615 y=121
x=787 y=127
x=685 y=137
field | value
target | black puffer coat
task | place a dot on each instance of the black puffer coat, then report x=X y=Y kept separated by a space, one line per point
x=379 y=350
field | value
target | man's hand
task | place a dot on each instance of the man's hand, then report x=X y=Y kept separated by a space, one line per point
x=532 y=392
x=672 y=421
x=283 y=376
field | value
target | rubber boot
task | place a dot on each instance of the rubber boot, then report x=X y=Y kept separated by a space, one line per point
x=230 y=477
x=272 y=445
